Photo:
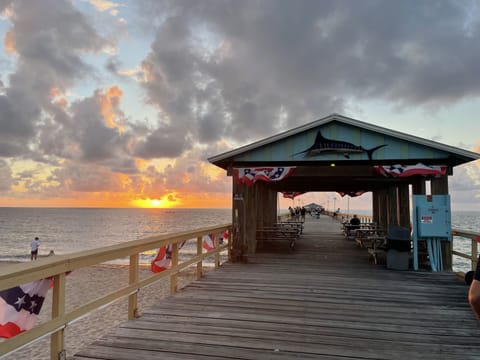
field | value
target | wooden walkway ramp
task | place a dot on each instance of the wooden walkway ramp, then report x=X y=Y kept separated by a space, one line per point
x=324 y=301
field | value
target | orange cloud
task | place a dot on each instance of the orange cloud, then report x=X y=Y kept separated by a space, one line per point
x=57 y=97
x=9 y=42
x=477 y=147
x=109 y=104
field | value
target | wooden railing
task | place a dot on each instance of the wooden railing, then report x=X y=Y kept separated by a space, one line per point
x=473 y=237
x=57 y=267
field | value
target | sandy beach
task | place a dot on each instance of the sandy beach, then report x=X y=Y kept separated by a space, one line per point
x=85 y=285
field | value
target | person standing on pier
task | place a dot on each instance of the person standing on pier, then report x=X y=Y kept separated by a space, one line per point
x=474 y=292
x=34 y=245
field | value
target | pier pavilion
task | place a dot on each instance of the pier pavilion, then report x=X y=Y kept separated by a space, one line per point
x=340 y=154
x=325 y=300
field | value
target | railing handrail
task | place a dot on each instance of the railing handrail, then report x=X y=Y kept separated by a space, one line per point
x=21 y=273
x=473 y=256
x=58 y=266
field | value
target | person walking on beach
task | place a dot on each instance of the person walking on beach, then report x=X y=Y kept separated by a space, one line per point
x=34 y=245
x=474 y=292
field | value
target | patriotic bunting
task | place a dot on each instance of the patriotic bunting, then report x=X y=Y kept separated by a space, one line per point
x=351 y=193
x=250 y=175
x=209 y=242
x=410 y=170
x=162 y=260
x=291 y=194
x=20 y=306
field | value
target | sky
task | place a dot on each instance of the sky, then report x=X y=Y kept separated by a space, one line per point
x=120 y=103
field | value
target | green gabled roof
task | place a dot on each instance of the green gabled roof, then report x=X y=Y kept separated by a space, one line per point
x=289 y=146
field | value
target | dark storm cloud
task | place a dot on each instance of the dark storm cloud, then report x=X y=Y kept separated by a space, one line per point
x=243 y=69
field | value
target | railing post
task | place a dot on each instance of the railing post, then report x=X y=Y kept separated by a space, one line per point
x=474 y=254
x=174 y=262
x=199 y=252
x=132 y=279
x=229 y=247
x=216 y=241
x=57 y=343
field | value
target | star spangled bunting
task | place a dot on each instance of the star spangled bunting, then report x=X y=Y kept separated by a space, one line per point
x=291 y=194
x=162 y=259
x=250 y=175
x=351 y=193
x=209 y=242
x=20 y=306
x=411 y=170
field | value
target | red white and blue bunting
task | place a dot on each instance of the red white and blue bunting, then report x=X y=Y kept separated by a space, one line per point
x=250 y=175
x=291 y=194
x=411 y=170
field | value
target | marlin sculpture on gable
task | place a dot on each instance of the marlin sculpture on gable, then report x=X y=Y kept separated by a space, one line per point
x=323 y=145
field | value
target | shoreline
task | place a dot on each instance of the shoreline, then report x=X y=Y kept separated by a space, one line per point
x=85 y=285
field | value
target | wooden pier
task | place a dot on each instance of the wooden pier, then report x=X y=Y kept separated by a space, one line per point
x=325 y=300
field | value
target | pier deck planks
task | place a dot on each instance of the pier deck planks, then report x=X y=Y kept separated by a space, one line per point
x=325 y=300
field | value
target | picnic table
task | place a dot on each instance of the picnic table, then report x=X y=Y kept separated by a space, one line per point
x=283 y=231
x=372 y=238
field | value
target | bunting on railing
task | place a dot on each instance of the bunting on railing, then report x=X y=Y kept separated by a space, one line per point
x=163 y=258
x=250 y=175
x=410 y=170
x=209 y=242
x=20 y=306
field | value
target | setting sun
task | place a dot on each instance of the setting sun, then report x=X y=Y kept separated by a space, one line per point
x=153 y=203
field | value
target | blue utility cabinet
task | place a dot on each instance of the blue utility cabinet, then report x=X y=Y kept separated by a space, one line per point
x=431 y=222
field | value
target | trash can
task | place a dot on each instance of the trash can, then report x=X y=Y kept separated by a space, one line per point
x=398 y=248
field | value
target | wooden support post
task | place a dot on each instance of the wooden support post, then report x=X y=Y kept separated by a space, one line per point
x=392 y=206
x=132 y=279
x=375 y=207
x=404 y=205
x=418 y=186
x=382 y=207
x=439 y=186
x=199 y=252
x=239 y=223
x=250 y=225
x=174 y=263
x=57 y=340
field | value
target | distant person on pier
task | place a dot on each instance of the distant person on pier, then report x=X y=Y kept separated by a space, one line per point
x=303 y=212
x=474 y=292
x=355 y=222
x=34 y=245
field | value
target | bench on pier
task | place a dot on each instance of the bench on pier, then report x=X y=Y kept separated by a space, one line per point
x=290 y=225
x=373 y=239
x=377 y=246
x=278 y=233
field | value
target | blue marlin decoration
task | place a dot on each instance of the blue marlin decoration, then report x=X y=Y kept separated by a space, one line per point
x=323 y=145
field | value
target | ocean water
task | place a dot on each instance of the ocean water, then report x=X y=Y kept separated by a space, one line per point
x=71 y=230
x=464 y=220
x=75 y=229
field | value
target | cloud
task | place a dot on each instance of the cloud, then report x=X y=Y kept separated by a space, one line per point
x=233 y=69
x=49 y=39
x=212 y=73
x=6 y=180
